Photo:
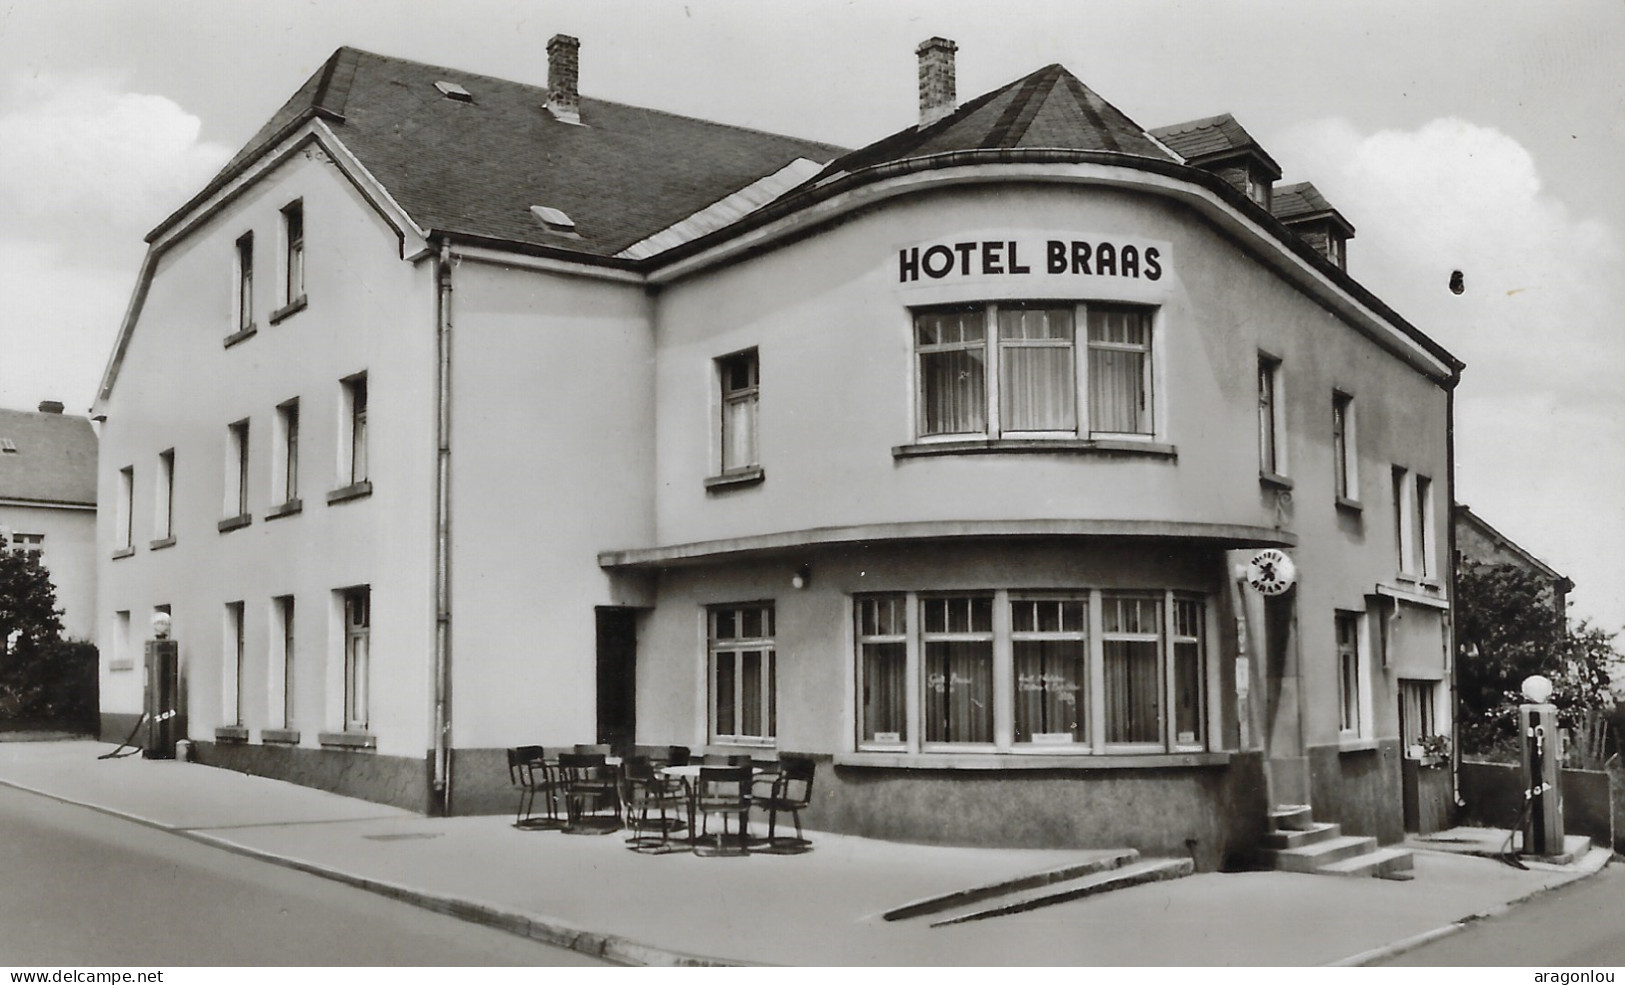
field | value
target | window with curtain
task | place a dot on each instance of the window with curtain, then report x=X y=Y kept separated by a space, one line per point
x=1037 y=387
x=952 y=347
x=743 y=700
x=1187 y=668
x=741 y=388
x=1415 y=711
x=1119 y=370
x=958 y=653
x=1049 y=646
x=882 y=670
x=1131 y=638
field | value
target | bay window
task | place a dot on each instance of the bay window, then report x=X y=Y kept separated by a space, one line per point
x=1085 y=671
x=1016 y=369
x=743 y=700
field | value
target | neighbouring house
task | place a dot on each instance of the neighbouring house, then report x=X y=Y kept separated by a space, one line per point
x=972 y=464
x=1479 y=544
x=48 y=504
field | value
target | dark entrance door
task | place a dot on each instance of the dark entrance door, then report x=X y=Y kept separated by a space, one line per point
x=617 y=676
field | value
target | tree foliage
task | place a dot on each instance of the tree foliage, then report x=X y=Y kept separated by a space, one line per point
x=1507 y=629
x=34 y=659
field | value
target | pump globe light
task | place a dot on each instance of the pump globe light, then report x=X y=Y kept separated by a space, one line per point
x=1537 y=689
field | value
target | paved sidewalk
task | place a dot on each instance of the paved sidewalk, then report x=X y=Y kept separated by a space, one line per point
x=820 y=908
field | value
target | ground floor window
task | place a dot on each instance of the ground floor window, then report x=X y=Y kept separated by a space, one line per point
x=1348 y=673
x=743 y=687
x=1416 y=712
x=1031 y=671
x=357 y=657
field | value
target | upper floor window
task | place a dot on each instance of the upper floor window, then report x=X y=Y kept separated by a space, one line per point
x=743 y=670
x=293 y=259
x=1414 y=524
x=740 y=376
x=245 y=282
x=123 y=516
x=353 y=449
x=285 y=474
x=29 y=546
x=1015 y=369
x=235 y=502
x=163 y=510
x=1271 y=430
x=1345 y=450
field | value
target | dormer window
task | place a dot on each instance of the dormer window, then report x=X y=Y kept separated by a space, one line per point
x=554 y=220
x=1258 y=188
x=452 y=90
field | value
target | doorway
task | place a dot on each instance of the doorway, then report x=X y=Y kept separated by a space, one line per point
x=617 y=676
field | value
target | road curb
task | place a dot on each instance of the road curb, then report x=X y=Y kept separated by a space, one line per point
x=559 y=933
x=1399 y=947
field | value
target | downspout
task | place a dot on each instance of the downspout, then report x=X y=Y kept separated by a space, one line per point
x=442 y=544
x=1450 y=545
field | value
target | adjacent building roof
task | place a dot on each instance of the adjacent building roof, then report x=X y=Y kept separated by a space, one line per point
x=54 y=461
x=1215 y=138
x=474 y=167
x=1466 y=518
x=1049 y=109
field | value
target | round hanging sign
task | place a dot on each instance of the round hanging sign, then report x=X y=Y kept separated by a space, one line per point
x=1271 y=572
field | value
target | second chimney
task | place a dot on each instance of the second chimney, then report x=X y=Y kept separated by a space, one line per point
x=937 y=91
x=563 y=74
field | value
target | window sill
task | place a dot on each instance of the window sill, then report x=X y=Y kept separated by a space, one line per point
x=1357 y=745
x=1274 y=480
x=996 y=446
x=736 y=479
x=289 y=508
x=118 y=665
x=231 y=733
x=241 y=335
x=234 y=522
x=280 y=736
x=359 y=490
x=124 y=552
x=159 y=545
x=1352 y=505
x=292 y=307
x=348 y=740
x=1028 y=761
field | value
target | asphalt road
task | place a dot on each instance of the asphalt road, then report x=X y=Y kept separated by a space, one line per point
x=81 y=888
x=1574 y=928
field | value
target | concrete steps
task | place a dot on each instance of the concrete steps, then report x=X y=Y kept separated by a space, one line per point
x=1113 y=870
x=1299 y=843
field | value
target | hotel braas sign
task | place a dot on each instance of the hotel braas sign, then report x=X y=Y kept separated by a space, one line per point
x=1032 y=257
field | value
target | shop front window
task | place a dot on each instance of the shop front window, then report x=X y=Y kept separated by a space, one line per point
x=743 y=670
x=959 y=669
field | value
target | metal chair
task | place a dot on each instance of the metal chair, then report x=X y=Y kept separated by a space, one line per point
x=643 y=789
x=586 y=777
x=723 y=790
x=790 y=793
x=530 y=774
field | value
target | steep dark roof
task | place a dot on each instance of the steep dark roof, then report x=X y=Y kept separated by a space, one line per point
x=1214 y=138
x=476 y=167
x=1048 y=109
x=1302 y=202
x=55 y=460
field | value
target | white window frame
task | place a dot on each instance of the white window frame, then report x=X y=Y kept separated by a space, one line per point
x=1361 y=725
x=28 y=545
x=234 y=503
x=279 y=711
x=1415 y=533
x=993 y=348
x=124 y=515
x=355 y=637
x=1428 y=703
x=163 y=506
x=998 y=667
x=729 y=649
x=355 y=400
x=1083 y=699
x=242 y=292
x=1272 y=455
x=1345 y=447
x=285 y=465
x=233 y=649
x=293 y=252
x=1426 y=557
x=897 y=602
x=747 y=398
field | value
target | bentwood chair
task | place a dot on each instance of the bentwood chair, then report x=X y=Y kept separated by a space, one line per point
x=791 y=792
x=643 y=790
x=530 y=774
x=723 y=791
x=587 y=779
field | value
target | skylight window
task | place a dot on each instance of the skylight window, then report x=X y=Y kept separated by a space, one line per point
x=553 y=219
x=452 y=90
x=8 y=446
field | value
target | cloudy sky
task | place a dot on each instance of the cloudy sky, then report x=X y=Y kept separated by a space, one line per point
x=1477 y=135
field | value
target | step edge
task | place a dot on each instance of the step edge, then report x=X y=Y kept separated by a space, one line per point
x=1118 y=859
x=1137 y=874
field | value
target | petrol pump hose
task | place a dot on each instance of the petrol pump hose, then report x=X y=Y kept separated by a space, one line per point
x=120 y=752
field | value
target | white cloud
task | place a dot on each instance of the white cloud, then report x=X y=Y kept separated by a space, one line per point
x=82 y=158
x=1539 y=411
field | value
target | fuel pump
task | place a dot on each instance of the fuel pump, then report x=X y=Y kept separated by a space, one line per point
x=162 y=698
x=1537 y=724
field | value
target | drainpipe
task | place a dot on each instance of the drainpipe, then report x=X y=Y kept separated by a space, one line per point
x=442 y=542
x=1450 y=582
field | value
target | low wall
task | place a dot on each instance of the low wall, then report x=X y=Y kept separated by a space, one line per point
x=394 y=780
x=1591 y=802
x=1359 y=789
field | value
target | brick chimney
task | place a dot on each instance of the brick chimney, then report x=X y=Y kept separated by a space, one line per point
x=563 y=75
x=937 y=92
x=50 y=406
